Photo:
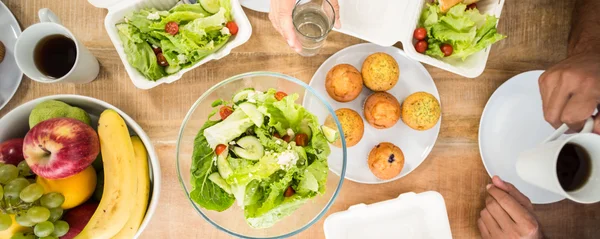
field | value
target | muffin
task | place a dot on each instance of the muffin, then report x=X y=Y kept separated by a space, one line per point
x=380 y=72
x=352 y=125
x=382 y=110
x=386 y=161
x=2 y=51
x=343 y=83
x=421 y=111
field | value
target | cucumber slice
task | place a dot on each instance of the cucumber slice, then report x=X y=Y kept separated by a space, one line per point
x=249 y=148
x=305 y=129
x=172 y=69
x=223 y=165
x=252 y=112
x=242 y=95
x=219 y=181
x=211 y=6
x=330 y=134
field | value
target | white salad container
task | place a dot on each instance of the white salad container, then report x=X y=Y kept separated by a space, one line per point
x=415 y=216
x=385 y=22
x=118 y=9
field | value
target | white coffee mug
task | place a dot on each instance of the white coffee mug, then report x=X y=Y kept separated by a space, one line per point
x=538 y=165
x=86 y=66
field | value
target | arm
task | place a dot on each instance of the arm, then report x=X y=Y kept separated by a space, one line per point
x=570 y=90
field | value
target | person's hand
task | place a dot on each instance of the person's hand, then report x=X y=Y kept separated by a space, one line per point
x=507 y=214
x=571 y=91
x=281 y=18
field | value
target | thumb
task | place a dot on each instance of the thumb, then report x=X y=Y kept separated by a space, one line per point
x=336 y=9
x=513 y=191
x=289 y=33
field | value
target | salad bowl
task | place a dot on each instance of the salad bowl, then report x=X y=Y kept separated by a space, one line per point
x=220 y=137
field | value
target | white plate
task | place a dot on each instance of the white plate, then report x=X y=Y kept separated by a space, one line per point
x=10 y=74
x=415 y=145
x=512 y=122
x=257 y=5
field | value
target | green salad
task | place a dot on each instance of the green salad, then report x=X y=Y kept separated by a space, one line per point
x=458 y=33
x=266 y=152
x=160 y=43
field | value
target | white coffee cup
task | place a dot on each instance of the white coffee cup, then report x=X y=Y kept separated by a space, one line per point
x=538 y=165
x=86 y=66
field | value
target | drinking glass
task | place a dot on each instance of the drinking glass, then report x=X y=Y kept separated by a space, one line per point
x=313 y=20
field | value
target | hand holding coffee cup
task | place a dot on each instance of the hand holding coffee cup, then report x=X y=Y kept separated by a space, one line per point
x=47 y=52
x=567 y=166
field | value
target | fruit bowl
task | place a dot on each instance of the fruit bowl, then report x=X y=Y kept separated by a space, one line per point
x=15 y=125
x=232 y=220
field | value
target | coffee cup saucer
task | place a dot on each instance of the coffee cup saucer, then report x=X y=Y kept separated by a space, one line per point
x=513 y=122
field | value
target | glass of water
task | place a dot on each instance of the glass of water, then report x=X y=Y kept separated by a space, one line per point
x=313 y=20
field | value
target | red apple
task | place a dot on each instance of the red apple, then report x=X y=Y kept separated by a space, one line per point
x=60 y=147
x=78 y=218
x=11 y=151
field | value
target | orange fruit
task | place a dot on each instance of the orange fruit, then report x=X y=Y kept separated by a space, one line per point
x=76 y=189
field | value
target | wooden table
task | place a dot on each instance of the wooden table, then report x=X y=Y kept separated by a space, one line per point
x=537 y=37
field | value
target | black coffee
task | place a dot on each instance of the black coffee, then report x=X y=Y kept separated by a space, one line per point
x=55 y=55
x=574 y=167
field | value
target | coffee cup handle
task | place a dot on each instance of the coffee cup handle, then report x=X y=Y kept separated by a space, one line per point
x=46 y=15
x=587 y=128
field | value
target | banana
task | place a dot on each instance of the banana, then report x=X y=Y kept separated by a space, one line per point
x=120 y=179
x=141 y=193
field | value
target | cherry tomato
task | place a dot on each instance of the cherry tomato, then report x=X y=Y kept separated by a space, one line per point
x=420 y=33
x=287 y=138
x=233 y=28
x=162 y=61
x=280 y=95
x=289 y=192
x=301 y=139
x=421 y=46
x=276 y=135
x=220 y=148
x=225 y=111
x=446 y=49
x=156 y=50
x=172 y=28
x=472 y=6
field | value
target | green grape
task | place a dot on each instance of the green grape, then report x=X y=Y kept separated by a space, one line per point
x=38 y=214
x=23 y=220
x=5 y=221
x=43 y=229
x=14 y=187
x=23 y=235
x=55 y=214
x=8 y=172
x=52 y=200
x=31 y=193
x=24 y=169
x=1 y=192
x=60 y=228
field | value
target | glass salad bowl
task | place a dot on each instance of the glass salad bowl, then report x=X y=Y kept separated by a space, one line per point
x=262 y=187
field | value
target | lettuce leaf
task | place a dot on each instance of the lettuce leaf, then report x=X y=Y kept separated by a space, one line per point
x=206 y=193
x=468 y=31
x=139 y=53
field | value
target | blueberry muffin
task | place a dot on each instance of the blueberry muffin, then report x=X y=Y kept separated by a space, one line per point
x=386 y=161
x=421 y=111
x=382 y=110
x=380 y=72
x=343 y=83
x=352 y=125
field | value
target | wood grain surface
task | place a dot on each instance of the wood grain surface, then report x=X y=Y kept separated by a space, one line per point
x=537 y=38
